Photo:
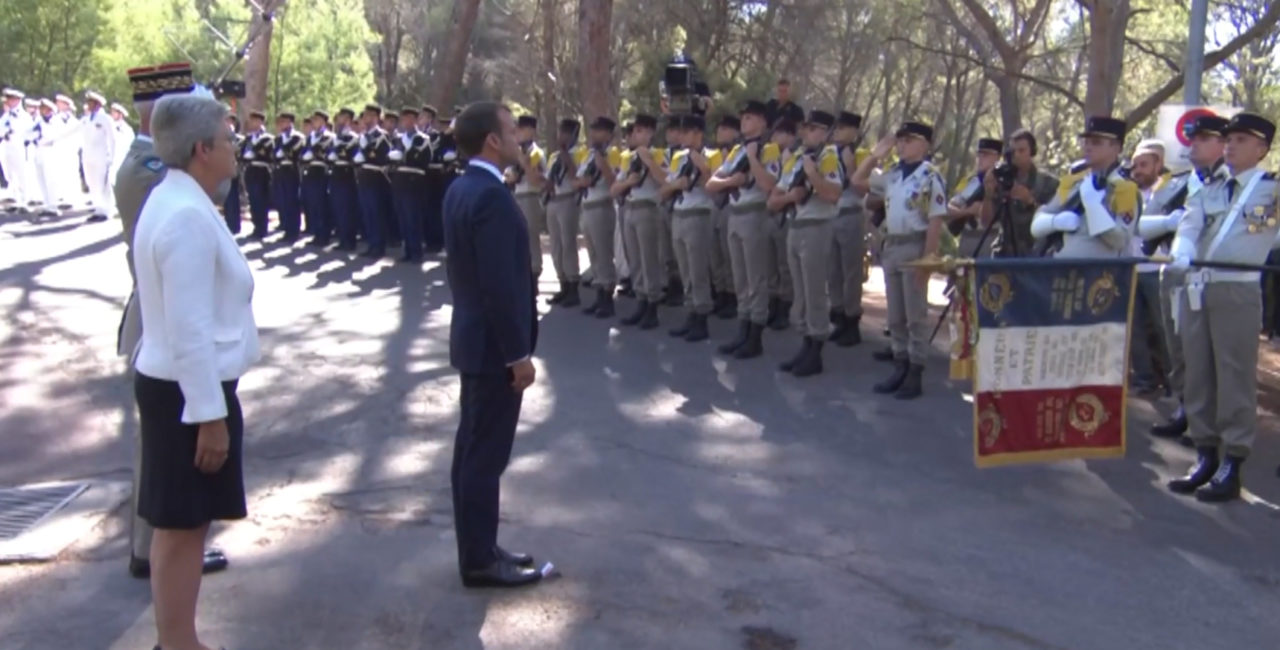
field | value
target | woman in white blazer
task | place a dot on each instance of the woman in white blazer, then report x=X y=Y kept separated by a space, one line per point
x=198 y=338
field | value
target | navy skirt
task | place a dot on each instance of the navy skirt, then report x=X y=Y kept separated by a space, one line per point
x=172 y=492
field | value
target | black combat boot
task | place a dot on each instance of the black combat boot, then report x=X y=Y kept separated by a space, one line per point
x=1200 y=474
x=683 y=330
x=1173 y=428
x=772 y=315
x=605 y=310
x=557 y=297
x=624 y=288
x=634 y=319
x=650 y=319
x=790 y=364
x=840 y=322
x=851 y=335
x=570 y=295
x=738 y=341
x=895 y=381
x=675 y=293
x=1225 y=484
x=754 y=346
x=590 y=310
x=698 y=330
x=885 y=354
x=718 y=300
x=811 y=363
x=911 y=387
x=782 y=320
x=836 y=316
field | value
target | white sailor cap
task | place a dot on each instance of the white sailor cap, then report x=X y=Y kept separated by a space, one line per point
x=46 y=102
x=30 y=102
x=119 y=109
x=63 y=99
x=14 y=93
x=95 y=96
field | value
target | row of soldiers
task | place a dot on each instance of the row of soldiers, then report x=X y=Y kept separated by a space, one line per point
x=46 y=151
x=380 y=178
x=769 y=223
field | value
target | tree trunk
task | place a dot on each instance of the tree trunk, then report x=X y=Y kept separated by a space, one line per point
x=550 y=98
x=1108 y=20
x=1010 y=103
x=465 y=13
x=595 y=19
x=257 y=66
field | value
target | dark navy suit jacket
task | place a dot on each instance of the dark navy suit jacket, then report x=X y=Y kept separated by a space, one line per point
x=495 y=321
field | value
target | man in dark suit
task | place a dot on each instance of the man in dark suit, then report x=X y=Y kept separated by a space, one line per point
x=492 y=338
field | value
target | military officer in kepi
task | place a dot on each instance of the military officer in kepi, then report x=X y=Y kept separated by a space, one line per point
x=344 y=200
x=375 y=187
x=256 y=150
x=1157 y=226
x=315 y=180
x=286 y=180
x=1095 y=213
x=1232 y=219
x=914 y=197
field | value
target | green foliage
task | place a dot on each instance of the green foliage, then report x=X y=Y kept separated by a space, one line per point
x=319 y=57
x=47 y=43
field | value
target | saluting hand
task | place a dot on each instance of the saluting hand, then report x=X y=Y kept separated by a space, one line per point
x=884 y=146
x=213 y=442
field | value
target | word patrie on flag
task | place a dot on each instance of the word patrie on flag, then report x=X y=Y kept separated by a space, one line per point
x=1051 y=358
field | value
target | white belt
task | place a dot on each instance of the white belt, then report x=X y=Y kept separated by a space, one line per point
x=1196 y=281
x=411 y=170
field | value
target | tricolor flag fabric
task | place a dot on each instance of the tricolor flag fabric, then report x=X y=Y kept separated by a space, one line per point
x=1051 y=358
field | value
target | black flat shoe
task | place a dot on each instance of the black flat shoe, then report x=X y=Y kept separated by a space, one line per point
x=214 y=561
x=518 y=559
x=500 y=574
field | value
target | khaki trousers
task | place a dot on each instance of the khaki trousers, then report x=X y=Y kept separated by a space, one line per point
x=721 y=272
x=1170 y=282
x=535 y=215
x=599 y=220
x=644 y=226
x=1220 y=345
x=848 y=250
x=562 y=226
x=751 y=258
x=808 y=254
x=692 y=232
x=907 y=298
x=779 y=270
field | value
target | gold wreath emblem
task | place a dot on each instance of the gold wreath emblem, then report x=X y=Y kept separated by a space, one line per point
x=996 y=292
x=990 y=425
x=1103 y=293
x=1087 y=414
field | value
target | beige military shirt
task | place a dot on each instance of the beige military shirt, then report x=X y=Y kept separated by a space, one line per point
x=1233 y=219
x=140 y=171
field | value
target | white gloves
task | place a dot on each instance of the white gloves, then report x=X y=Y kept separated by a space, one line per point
x=359 y=157
x=248 y=155
x=396 y=155
x=1047 y=223
x=307 y=156
x=333 y=156
x=1158 y=225
x=450 y=157
x=1181 y=263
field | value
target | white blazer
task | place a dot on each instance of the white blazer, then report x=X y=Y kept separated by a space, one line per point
x=196 y=292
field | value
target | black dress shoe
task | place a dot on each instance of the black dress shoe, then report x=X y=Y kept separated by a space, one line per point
x=501 y=574
x=1225 y=484
x=214 y=561
x=518 y=559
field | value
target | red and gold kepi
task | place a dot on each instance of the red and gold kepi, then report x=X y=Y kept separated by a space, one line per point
x=153 y=82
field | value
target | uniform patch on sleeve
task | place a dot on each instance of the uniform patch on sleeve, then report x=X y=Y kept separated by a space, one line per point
x=154 y=164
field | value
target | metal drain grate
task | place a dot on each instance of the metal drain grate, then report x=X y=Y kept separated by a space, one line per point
x=24 y=507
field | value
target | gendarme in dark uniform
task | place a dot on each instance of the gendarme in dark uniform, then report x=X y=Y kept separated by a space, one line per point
x=256 y=151
x=344 y=201
x=375 y=187
x=315 y=180
x=286 y=180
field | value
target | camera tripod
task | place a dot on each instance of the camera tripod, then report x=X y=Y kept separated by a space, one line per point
x=1004 y=217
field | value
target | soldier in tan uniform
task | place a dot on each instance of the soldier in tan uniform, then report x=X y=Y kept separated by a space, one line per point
x=693 y=225
x=726 y=303
x=561 y=201
x=527 y=179
x=849 y=239
x=596 y=176
x=1232 y=219
x=639 y=181
x=140 y=171
x=1161 y=216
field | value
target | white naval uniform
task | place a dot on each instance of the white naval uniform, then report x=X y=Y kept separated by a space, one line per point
x=15 y=127
x=123 y=139
x=97 y=157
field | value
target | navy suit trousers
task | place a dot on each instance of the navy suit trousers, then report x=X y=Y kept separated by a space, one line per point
x=481 y=451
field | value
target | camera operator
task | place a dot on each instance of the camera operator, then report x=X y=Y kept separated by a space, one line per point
x=1027 y=189
x=965 y=207
x=781 y=106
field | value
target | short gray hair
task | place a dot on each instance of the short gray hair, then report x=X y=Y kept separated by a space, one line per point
x=179 y=122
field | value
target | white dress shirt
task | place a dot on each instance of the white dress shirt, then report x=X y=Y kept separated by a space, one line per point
x=196 y=292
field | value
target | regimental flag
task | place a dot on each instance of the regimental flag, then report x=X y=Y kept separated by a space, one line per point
x=963 y=325
x=1051 y=359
